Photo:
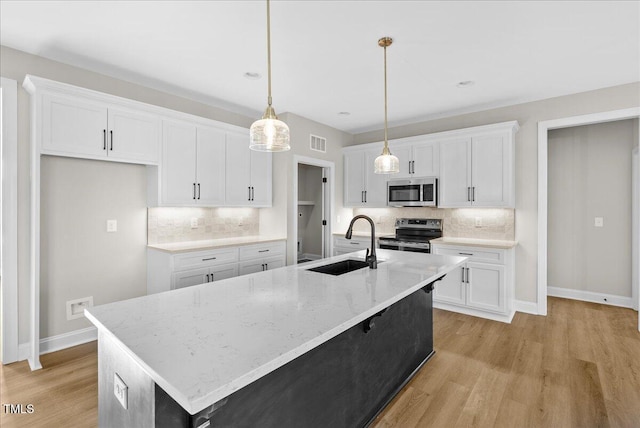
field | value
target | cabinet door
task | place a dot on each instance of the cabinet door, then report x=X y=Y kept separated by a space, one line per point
x=426 y=157
x=253 y=266
x=274 y=263
x=404 y=153
x=133 y=136
x=261 y=178
x=489 y=170
x=451 y=289
x=376 y=184
x=73 y=127
x=224 y=271
x=178 y=163
x=354 y=179
x=210 y=166
x=486 y=287
x=189 y=278
x=238 y=175
x=455 y=173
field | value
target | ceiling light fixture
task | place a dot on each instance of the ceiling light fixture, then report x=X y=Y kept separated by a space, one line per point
x=386 y=163
x=269 y=134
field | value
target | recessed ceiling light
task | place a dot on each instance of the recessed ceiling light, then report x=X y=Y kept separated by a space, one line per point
x=252 y=76
x=343 y=113
x=465 y=83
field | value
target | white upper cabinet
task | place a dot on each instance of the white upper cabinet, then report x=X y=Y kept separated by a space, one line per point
x=477 y=168
x=81 y=127
x=249 y=175
x=193 y=166
x=417 y=158
x=362 y=186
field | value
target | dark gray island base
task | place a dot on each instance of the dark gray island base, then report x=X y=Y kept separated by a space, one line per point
x=345 y=382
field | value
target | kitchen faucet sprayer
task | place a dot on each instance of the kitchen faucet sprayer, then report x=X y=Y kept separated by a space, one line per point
x=370 y=256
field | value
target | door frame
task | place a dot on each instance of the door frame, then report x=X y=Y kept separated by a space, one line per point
x=329 y=173
x=543 y=152
x=9 y=225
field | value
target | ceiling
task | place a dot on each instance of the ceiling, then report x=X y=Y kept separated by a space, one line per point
x=325 y=54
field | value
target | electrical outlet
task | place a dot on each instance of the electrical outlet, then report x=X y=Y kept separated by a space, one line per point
x=478 y=221
x=112 y=225
x=120 y=390
x=194 y=223
x=599 y=222
x=75 y=308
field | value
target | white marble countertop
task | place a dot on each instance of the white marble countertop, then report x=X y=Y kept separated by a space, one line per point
x=202 y=343
x=471 y=242
x=209 y=244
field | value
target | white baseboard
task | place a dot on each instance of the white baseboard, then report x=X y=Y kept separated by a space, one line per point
x=526 y=307
x=589 y=296
x=60 y=341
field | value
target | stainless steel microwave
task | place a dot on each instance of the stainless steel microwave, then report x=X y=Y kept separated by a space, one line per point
x=413 y=192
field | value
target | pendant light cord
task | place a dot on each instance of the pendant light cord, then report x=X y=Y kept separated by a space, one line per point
x=269 y=52
x=386 y=143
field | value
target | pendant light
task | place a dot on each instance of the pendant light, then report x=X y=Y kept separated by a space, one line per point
x=386 y=163
x=269 y=134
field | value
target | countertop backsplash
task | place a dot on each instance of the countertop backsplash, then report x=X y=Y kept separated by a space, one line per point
x=166 y=225
x=494 y=223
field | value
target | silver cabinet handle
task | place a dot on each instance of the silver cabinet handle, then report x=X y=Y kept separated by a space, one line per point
x=462 y=275
x=262 y=266
x=207 y=277
x=249 y=197
x=467 y=275
x=468 y=194
x=198 y=190
x=111 y=134
x=362 y=196
x=354 y=243
x=365 y=196
x=210 y=258
x=211 y=277
x=466 y=254
x=263 y=251
x=473 y=194
x=266 y=266
x=104 y=139
x=194 y=190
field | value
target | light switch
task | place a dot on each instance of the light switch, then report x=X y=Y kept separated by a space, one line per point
x=112 y=225
x=599 y=222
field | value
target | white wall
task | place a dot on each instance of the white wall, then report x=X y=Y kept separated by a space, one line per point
x=528 y=115
x=590 y=176
x=78 y=257
x=276 y=220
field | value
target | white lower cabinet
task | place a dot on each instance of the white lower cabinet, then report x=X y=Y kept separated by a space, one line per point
x=261 y=257
x=167 y=271
x=342 y=245
x=483 y=286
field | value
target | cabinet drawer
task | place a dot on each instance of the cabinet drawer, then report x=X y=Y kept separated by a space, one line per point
x=205 y=258
x=355 y=243
x=474 y=253
x=261 y=250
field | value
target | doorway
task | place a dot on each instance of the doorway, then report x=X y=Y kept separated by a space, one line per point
x=543 y=130
x=313 y=193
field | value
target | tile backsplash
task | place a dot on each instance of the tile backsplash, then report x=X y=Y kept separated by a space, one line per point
x=167 y=225
x=494 y=223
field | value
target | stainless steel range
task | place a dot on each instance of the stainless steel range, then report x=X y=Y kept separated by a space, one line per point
x=412 y=234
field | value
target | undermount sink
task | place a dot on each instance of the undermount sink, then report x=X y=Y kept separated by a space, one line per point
x=338 y=268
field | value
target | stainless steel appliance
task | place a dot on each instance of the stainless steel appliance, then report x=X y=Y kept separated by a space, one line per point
x=412 y=234
x=413 y=192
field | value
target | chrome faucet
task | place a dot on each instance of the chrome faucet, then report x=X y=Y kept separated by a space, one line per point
x=370 y=256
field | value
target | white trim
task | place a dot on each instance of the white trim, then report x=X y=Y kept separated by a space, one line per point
x=526 y=307
x=332 y=185
x=61 y=341
x=589 y=296
x=475 y=312
x=9 y=218
x=543 y=129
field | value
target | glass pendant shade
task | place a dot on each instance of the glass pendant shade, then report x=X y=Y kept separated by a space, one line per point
x=386 y=163
x=269 y=135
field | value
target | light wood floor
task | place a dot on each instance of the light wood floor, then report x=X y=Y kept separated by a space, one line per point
x=577 y=367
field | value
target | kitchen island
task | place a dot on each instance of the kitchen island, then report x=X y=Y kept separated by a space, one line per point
x=287 y=347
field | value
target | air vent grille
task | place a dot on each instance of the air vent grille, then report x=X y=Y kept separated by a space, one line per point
x=318 y=144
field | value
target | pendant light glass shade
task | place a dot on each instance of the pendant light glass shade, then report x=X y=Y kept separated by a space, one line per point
x=386 y=163
x=269 y=134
